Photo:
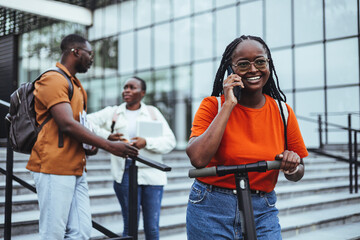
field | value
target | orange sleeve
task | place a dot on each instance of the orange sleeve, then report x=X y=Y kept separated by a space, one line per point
x=295 y=139
x=204 y=116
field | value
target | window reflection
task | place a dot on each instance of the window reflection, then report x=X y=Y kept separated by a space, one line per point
x=251 y=19
x=203 y=47
x=341 y=17
x=283 y=65
x=162 y=45
x=278 y=22
x=226 y=28
x=309 y=66
x=182 y=47
x=308 y=17
x=342 y=62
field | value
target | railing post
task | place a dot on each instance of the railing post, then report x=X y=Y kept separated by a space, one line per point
x=350 y=154
x=356 y=161
x=8 y=188
x=133 y=200
x=321 y=145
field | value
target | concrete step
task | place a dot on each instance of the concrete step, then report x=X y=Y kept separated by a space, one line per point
x=350 y=231
x=304 y=222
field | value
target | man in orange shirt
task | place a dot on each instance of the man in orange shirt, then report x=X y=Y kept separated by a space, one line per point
x=59 y=168
x=247 y=128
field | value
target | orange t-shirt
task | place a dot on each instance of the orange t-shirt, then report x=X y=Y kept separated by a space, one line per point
x=46 y=156
x=251 y=135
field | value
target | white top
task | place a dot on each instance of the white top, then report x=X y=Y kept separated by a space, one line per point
x=131 y=115
x=155 y=146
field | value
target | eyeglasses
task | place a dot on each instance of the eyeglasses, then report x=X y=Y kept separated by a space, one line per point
x=244 y=66
x=91 y=53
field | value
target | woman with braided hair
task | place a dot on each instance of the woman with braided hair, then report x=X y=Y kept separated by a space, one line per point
x=244 y=129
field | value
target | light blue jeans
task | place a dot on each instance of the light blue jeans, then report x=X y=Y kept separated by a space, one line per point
x=149 y=197
x=64 y=206
x=214 y=214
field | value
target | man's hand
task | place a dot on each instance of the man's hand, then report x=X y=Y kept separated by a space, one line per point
x=122 y=149
x=91 y=152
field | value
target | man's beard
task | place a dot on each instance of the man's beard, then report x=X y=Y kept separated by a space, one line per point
x=80 y=68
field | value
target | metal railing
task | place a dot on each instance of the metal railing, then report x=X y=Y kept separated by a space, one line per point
x=352 y=146
x=10 y=177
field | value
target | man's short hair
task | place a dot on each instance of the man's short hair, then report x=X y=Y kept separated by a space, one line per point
x=71 y=41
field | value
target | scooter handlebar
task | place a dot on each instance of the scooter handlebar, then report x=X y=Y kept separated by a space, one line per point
x=202 y=172
x=212 y=171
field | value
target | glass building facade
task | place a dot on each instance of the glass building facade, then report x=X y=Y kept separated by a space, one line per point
x=176 y=46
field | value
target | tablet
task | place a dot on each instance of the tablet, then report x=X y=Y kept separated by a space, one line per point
x=149 y=129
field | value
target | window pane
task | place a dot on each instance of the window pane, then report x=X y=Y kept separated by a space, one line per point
x=251 y=18
x=183 y=116
x=283 y=67
x=309 y=104
x=202 y=5
x=309 y=66
x=99 y=59
x=203 y=36
x=143 y=13
x=127 y=15
x=95 y=95
x=181 y=38
x=96 y=30
x=341 y=100
x=342 y=62
x=162 y=45
x=161 y=10
x=163 y=84
x=126 y=54
x=225 y=29
x=111 y=91
x=220 y=3
x=308 y=17
x=109 y=49
x=111 y=20
x=181 y=8
x=143 y=49
x=341 y=18
x=203 y=80
x=278 y=23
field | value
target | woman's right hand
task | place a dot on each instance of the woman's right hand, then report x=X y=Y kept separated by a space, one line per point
x=229 y=83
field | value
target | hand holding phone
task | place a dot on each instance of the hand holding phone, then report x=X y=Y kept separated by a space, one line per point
x=237 y=89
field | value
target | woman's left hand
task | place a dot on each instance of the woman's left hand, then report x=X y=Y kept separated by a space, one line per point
x=290 y=160
x=138 y=142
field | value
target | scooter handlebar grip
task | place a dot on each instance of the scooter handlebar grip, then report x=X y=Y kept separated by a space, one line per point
x=202 y=172
x=273 y=164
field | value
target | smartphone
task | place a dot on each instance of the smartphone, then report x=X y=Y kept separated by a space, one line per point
x=237 y=89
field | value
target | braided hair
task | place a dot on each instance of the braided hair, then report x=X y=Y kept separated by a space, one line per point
x=271 y=88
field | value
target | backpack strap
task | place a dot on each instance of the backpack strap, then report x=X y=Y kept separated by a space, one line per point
x=114 y=119
x=284 y=113
x=152 y=112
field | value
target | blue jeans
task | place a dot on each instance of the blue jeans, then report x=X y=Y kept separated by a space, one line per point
x=149 y=197
x=64 y=206
x=214 y=214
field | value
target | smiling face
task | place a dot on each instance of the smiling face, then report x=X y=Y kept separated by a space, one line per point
x=250 y=50
x=132 y=92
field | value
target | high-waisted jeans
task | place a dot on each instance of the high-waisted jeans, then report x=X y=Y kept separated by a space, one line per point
x=214 y=214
